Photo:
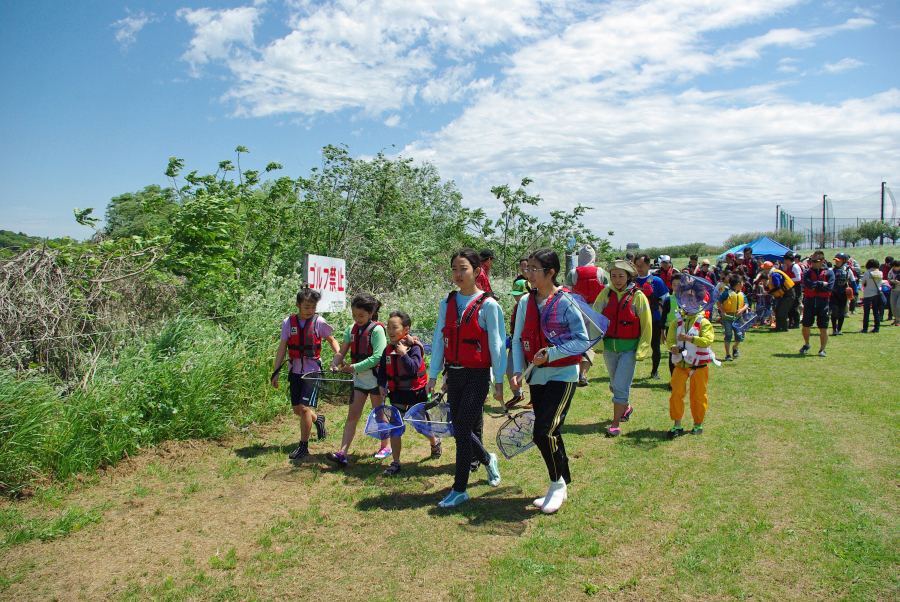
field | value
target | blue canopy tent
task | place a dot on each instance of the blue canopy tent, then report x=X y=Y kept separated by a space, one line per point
x=763 y=247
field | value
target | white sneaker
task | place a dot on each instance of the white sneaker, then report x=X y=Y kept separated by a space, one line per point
x=556 y=495
x=539 y=503
x=493 y=471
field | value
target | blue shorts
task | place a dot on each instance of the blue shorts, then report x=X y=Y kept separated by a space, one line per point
x=730 y=329
x=303 y=392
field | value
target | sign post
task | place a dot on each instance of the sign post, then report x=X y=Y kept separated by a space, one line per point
x=328 y=275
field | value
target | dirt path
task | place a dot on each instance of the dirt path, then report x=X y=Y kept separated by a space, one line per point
x=235 y=519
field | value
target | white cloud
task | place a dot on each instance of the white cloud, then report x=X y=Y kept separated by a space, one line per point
x=218 y=34
x=128 y=28
x=600 y=104
x=843 y=65
x=360 y=54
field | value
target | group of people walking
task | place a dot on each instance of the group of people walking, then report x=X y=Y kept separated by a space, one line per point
x=645 y=302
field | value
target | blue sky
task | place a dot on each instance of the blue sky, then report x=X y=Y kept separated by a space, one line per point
x=677 y=120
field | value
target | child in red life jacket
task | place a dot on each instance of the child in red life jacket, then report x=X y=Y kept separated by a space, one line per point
x=365 y=339
x=301 y=339
x=470 y=323
x=402 y=378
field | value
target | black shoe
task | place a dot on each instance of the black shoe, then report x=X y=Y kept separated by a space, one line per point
x=627 y=415
x=301 y=452
x=676 y=431
x=473 y=467
x=321 y=432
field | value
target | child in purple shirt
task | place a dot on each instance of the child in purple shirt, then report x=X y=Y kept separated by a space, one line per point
x=301 y=339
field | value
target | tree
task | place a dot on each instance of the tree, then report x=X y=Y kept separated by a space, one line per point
x=823 y=239
x=872 y=230
x=893 y=232
x=788 y=238
x=515 y=225
x=145 y=213
x=850 y=235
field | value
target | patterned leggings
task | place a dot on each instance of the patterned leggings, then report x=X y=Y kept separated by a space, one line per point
x=551 y=404
x=466 y=390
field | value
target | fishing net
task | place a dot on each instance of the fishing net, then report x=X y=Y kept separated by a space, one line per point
x=385 y=421
x=332 y=387
x=695 y=294
x=431 y=418
x=745 y=321
x=558 y=317
x=555 y=323
x=516 y=434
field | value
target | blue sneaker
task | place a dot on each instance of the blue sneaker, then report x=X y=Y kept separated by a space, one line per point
x=493 y=471
x=453 y=499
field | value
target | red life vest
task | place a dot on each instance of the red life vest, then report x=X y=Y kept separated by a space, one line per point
x=533 y=339
x=465 y=342
x=666 y=276
x=816 y=276
x=647 y=289
x=361 y=341
x=623 y=320
x=307 y=343
x=587 y=285
x=397 y=379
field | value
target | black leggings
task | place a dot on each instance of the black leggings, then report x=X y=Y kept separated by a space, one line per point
x=655 y=337
x=551 y=404
x=466 y=391
x=838 y=311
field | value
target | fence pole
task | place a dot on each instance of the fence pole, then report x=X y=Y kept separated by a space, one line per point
x=882 y=210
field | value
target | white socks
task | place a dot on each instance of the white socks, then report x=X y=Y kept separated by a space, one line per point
x=556 y=495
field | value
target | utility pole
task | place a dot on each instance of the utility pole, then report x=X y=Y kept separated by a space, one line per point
x=824 y=227
x=882 y=210
x=777 y=216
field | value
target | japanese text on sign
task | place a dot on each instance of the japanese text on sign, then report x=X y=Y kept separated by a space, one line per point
x=328 y=276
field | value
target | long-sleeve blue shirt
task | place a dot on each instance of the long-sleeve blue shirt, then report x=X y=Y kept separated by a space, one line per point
x=490 y=318
x=541 y=375
x=660 y=291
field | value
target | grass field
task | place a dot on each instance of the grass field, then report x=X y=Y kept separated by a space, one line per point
x=792 y=492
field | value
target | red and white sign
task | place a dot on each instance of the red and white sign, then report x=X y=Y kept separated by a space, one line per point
x=328 y=275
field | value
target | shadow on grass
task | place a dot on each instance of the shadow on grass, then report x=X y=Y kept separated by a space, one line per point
x=254 y=451
x=794 y=355
x=644 y=438
x=662 y=383
x=586 y=429
x=500 y=511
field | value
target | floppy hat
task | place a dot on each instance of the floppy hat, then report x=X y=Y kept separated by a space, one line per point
x=621 y=264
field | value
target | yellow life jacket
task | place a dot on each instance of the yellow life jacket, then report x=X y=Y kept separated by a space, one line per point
x=788 y=283
x=732 y=304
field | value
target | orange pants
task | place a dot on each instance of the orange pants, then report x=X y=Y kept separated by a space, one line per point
x=699 y=398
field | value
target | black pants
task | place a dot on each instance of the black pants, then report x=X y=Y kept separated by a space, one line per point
x=551 y=404
x=793 y=316
x=466 y=390
x=876 y=306
x=783 y=307
x=838 y=311
x=655 y=337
